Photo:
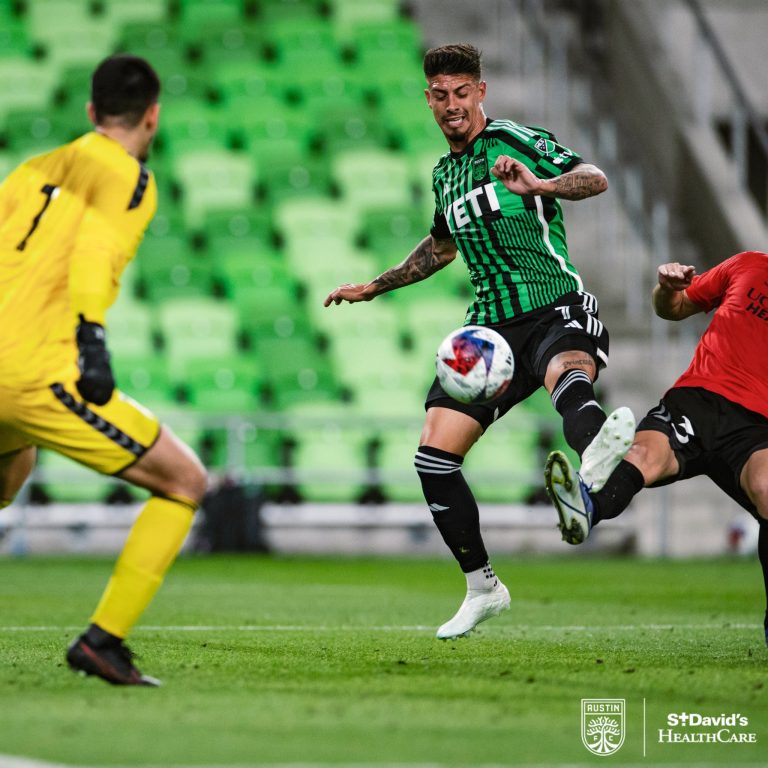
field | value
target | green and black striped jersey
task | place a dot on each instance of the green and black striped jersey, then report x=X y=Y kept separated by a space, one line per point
x=514 y=246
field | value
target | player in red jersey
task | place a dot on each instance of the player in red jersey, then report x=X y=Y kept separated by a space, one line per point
x=713 y=421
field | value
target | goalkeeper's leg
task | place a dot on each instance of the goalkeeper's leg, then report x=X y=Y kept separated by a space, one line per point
x=14 y=470
x=177 y=480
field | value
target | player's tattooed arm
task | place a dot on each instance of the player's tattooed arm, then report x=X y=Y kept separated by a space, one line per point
x=429 y=256
x=585 y=180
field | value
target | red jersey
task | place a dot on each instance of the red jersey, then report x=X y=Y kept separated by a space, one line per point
x=731 y=358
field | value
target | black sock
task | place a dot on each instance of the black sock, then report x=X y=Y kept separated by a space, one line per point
x=452 y=505
x=621 y=487
x=574 y=399
x=762 y=553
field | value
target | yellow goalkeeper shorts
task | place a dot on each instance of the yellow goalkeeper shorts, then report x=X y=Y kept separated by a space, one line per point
x=107 y=438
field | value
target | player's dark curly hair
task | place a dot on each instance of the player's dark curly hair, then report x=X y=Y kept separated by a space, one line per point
x=123 y=87
x=456 y=59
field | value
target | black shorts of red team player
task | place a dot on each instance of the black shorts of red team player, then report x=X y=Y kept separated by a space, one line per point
x=571 y=323
x=710 y=436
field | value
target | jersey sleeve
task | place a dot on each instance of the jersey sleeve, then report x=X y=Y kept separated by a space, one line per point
x=553 y=159
x=110 y=231
x=707 y=289
x=440 y=229
x=537 y=148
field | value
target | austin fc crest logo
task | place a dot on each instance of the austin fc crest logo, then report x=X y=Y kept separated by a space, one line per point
x=479 y=168
x=603 y=725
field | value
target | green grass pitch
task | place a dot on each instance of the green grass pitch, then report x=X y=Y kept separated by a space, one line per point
x=302 y=661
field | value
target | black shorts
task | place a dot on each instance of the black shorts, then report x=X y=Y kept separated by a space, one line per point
x=535 y=338
x=710 y=436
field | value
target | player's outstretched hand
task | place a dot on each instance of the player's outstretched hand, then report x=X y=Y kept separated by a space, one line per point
x=675 y=276
x=350 y=292
x=515 y=176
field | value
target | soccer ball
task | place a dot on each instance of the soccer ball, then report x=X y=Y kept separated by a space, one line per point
x=474 y=364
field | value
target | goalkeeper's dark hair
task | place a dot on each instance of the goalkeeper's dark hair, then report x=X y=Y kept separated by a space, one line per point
x=123 y=87
x=456 y=59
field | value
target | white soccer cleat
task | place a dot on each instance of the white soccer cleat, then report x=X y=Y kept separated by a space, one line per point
x=478 y=605
x=570 y=496
x=607 y=449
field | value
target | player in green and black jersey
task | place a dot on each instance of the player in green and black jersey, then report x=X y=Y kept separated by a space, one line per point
x=497 y=197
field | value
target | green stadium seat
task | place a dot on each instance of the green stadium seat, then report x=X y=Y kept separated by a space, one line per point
x=243 y=448
x=395 y=63
x=283 y=133
x=224 y=42
x=163 y=249
x=320 y=277
x=195 y=329
x=197 y=15
x=398 y=479
x=122 y=12
x=397 y=92
x=314 y=218
x=144 y=377
x=214 y=180
x=73 y=90
x=153 y=38
x=14 y=39
x=292 y=39
x=432 y=317
x=361 y=321
x=223 y=386
x=250 y=78
x=238 y=225
x=188 y=125
x=348 y=15
x=329 y=462
x=351 y=128
x=184 y=279
x=129 y=327
x=65 y=481
x=418 y=136
x=353 y=169
x=295 y=369
x=26 y=130
x=26 y=85
x=392 y=232
x=276 y=12
x=78 y=43
x=268 y=311
x=286 y=177
x=7 y=164
x=388 y=35
x=505 y=465
x=241 y=265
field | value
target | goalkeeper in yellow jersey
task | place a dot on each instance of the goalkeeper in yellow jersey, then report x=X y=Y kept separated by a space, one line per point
x=70 y=221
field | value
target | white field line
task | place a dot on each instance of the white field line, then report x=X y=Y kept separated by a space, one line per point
x=396 y=628
x=9 y=761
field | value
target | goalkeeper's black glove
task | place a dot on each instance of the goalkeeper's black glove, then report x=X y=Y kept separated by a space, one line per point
x=96 y=382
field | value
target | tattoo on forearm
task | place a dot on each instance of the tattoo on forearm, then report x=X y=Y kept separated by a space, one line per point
x=577 y=185
x=420 y=264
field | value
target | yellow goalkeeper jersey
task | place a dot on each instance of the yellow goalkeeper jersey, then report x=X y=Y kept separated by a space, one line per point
x=70 y=221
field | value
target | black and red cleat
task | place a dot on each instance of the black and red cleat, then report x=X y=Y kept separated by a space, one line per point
x=98 y=653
